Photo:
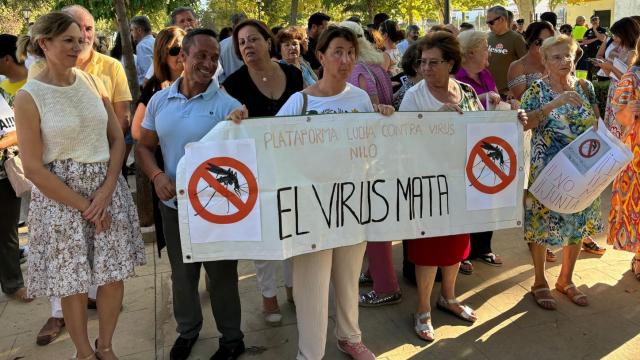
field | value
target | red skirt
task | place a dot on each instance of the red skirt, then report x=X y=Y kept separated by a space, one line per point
x=439 y=251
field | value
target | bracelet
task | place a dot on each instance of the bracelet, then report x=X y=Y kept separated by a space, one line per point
x=155 y=175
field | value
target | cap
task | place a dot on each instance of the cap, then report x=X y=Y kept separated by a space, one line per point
x=594 y=17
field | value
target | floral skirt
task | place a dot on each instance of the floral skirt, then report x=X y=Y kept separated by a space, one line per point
x=546 y=227
x=66 y=255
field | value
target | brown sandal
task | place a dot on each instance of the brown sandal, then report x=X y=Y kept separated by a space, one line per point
x=100 y=352
x=577 y=294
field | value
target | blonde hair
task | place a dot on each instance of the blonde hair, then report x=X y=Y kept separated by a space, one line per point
x=471 y=39
x=46 y=27
x=367 y=53
x=558 y=40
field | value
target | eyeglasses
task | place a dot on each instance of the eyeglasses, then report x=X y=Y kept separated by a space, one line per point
x=174 y=50
x=492 y=21
x=430 y=63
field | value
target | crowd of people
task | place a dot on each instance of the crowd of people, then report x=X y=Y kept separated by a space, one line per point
x=84 y=236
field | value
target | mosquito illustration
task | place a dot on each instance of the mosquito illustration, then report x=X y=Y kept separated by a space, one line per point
x=494 y=153
x=228 y=178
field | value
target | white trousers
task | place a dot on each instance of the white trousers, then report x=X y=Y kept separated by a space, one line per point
x=266 y=275
x=56 y=304
x=311 y=276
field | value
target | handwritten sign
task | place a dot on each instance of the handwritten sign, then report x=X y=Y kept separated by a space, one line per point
x=579 y=173
x=326 y=181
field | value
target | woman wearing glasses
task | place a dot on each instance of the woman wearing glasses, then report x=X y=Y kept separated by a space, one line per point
x=440 y=57
x=167 y=68
x=560 y=107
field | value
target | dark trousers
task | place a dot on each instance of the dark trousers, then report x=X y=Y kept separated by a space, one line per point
x=480 y=244
x=10 y=274
x=223 y=282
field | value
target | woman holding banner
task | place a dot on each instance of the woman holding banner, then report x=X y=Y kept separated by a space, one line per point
x=440 y=57
x=337 y=51
x=624 y=219
x=560 y=107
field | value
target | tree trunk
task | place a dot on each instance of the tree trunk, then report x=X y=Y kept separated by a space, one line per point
x=143 y=186
x=526 y=9
x=294 y=13
x=410 y=10
x=370 y=10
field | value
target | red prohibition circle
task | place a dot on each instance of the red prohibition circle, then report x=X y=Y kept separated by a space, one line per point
x=589 y=148
x=506 y=178
x=202 y=173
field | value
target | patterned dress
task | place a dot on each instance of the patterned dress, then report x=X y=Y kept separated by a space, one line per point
x=560 y=128
x=623 y=55
x=624 y=217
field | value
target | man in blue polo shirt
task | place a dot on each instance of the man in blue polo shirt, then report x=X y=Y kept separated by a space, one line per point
x=175 y=116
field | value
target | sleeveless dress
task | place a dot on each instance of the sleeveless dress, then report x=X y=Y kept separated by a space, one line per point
x=66 y=255
x=563 y=125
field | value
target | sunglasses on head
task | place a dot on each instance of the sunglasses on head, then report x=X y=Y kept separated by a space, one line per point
x=174 y=50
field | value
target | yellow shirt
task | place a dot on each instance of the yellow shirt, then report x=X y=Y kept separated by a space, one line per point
x=106 y=68
x=11 y=88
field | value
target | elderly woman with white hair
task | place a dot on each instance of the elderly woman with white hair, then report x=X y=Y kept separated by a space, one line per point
x=473 y=71
x=369 y=75
x=560 y=107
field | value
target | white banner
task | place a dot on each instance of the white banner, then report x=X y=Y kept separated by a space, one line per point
x=273 y=188
x=579 y=173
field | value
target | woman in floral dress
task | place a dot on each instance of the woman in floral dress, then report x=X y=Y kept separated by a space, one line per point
x=560 y=108
x=624 y=219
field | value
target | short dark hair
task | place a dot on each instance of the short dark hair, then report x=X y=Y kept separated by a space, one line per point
x=180 y=10
x=188 y=39
x=317 y=19
x=520 y=21
x=336 y=32
x=510 y=17
x=448 y=45
x=142 y=22
x=379 y=18
x=534 y=29
x=391 y=28
x=410 y=59
x=628 y=30
x=8 y=46
x=466 y=26
x=262 y=29
x=356 y=19
x=551 y=17
x=566 y=28
x=413 y=28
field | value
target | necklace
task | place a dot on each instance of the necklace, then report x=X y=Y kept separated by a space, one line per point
x=264 y=77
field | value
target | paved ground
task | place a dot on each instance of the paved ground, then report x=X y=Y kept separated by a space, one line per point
x=511 y=326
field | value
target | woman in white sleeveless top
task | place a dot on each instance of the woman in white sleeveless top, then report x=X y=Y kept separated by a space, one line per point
x=82 y=222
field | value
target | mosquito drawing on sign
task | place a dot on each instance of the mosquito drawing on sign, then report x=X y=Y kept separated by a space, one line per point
x=496 y=154
x=227 y=178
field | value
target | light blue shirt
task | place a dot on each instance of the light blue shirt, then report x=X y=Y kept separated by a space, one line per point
x=144 y=56
x=228 y=59
x=178 y=121
x=403 y=46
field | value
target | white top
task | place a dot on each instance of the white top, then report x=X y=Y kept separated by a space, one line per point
x=419 y=98
x=73 y=119
x=351 y=100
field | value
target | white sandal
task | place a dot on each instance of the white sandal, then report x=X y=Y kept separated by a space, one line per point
x=466 y=314
x=424 y=331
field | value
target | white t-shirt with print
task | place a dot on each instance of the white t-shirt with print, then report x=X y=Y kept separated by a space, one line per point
x=351 y=100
